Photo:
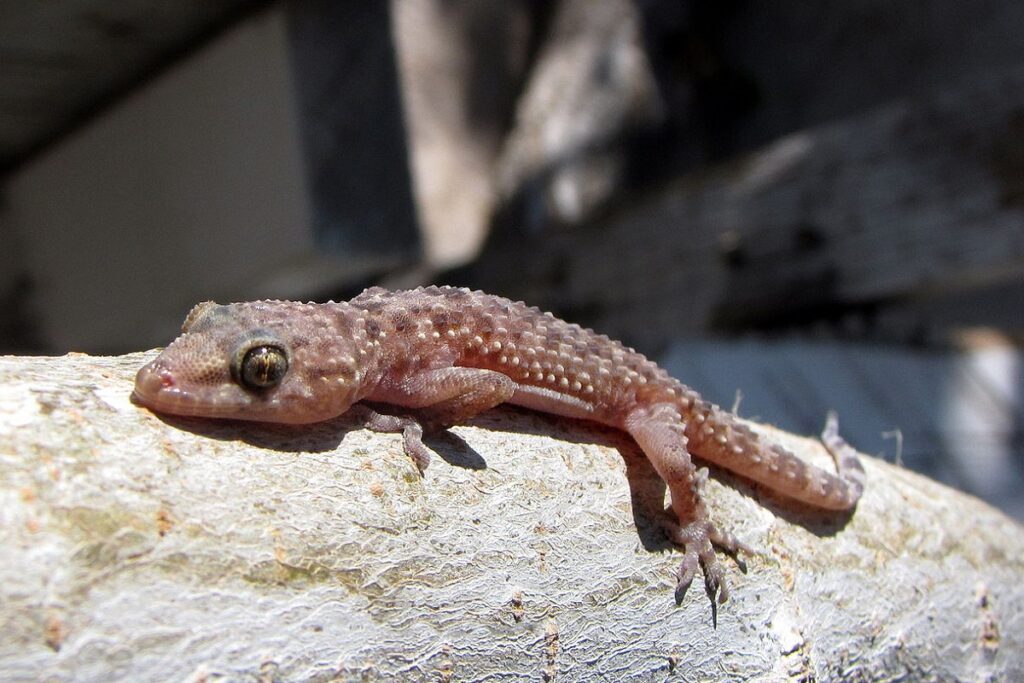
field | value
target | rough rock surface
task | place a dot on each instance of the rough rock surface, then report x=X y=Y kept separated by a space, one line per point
x=138 y=548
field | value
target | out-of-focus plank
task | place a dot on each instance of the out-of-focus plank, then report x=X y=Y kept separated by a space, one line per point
x=919 y=198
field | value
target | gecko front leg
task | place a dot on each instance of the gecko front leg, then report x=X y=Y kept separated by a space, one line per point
x=410 y=428
x=440 y=398
x=660 y=432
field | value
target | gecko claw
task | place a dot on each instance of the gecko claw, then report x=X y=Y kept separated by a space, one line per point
x=715 y=583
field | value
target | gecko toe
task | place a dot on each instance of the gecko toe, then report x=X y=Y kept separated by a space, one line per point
x=684 y=575
x=714 y=579
x=731 y=545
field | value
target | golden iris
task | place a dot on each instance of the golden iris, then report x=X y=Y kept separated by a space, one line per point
x=263 y=367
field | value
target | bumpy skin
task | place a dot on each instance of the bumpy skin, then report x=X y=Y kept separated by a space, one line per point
x=444 y=355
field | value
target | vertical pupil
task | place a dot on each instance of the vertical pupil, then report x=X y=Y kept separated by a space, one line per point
x=263 y=367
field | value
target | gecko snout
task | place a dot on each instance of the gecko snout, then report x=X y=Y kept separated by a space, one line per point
x=151 y=379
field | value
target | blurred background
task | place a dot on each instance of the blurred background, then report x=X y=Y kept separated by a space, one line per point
x=797 y=205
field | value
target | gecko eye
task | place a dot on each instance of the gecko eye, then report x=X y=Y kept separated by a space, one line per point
x=263 y=367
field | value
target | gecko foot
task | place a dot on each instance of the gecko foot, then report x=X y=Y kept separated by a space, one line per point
x=699 y=539
x=411 y=429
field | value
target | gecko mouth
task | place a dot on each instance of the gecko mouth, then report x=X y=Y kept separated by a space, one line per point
x=156 y=389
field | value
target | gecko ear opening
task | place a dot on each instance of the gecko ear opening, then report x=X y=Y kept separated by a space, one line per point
x=198 y=312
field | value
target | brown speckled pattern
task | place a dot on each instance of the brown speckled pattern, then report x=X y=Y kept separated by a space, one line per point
x=448 y=354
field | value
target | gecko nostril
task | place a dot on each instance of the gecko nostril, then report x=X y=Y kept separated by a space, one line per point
x=150 y=380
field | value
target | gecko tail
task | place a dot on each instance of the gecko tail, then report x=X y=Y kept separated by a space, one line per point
x=720 y=438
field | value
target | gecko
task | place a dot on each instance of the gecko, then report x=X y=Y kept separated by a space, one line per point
x=441 y=355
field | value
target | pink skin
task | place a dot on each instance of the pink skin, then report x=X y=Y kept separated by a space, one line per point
x=447 y=354
x=197 y=373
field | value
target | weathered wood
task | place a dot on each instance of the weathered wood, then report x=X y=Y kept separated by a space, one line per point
x=141 y=549
x=921 y=198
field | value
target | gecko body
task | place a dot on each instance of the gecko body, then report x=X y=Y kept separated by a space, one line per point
x=442 y=355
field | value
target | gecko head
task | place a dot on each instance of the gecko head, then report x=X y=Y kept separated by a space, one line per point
x=270 y=361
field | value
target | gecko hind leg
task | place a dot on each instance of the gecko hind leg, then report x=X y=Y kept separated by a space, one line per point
x=700 y=538
x=660 y=432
